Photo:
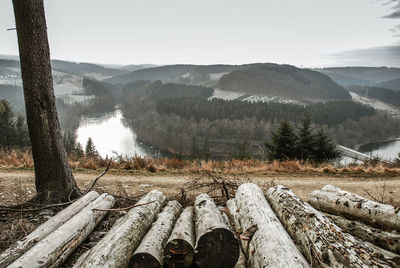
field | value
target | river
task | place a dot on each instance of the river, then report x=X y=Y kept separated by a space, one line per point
x=111 y=134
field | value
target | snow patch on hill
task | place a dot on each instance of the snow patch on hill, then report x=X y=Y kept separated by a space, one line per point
x=376 y=104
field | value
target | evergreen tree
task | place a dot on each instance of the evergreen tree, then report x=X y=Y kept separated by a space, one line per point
x=7 y=130
x=306 y=139
x=195 y=149
x=325 y=149
x=206 y=149
x=90 y=150
x=283 y=144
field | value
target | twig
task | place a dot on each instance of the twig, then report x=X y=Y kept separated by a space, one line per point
x=95 y=181
x=123 y=209
x=59 y=204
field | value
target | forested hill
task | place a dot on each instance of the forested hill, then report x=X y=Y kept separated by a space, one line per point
x=391 y=84
x=283 y=80
x=361 y=76
x=181 y=73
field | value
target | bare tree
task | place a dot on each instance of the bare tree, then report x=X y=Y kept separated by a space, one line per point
x=54 y=180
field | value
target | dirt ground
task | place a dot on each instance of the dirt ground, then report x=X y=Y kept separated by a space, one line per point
x=17 y=186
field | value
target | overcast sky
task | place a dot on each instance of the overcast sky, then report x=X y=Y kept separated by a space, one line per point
x=309 y=33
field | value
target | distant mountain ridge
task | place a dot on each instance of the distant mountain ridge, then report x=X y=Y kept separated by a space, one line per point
x=391 y=84
x=361 y=76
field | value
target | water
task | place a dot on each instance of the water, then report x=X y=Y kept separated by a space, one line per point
x=110 y=134
x=387 y=150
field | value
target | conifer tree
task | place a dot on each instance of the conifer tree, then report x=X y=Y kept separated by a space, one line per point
x=306 y=139
x=283 y=144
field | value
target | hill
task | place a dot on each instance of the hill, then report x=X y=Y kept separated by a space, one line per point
x=362 y=76
x=391 y=84
x=181 y=73
x=285 y=81
x=385 y=95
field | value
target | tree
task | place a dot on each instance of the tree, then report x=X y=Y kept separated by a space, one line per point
x=305 y=139
x=53 y=178
x=90 y=149
x=325 y=149
x=6 y=125
x=284 y=141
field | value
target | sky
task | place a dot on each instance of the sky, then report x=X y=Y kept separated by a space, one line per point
x=304 y=33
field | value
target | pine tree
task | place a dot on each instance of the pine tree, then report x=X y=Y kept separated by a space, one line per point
x=90 y=150
x=325 y=149
x=283 y=144
x=306 y=139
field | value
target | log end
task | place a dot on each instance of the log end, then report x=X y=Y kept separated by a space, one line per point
x=143 y=260
x=218 y=248
x=178 y=254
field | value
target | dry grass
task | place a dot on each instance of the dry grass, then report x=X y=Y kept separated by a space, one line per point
x=23 y=159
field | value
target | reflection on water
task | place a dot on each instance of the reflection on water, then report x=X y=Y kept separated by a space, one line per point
x=387 y=150
x=110 y=134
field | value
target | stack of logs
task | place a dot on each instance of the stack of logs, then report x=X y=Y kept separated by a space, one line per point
x=277 y=229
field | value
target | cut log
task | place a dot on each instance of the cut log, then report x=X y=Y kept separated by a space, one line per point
x=179 y=251
x=57 y=246
x=231 y=218
x=335 y=201
x=323 y=243
x=386 y=240
x=22 y=246
x=118 y=245
x=150 y=252
x=216 y=244
x=269 y=243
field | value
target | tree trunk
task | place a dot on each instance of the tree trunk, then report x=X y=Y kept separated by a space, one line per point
x=216 y=244
x=150 y=252
x=54 y=249
x=22 y=246
x=234 y=221
x=118 y=245
x=385 y=240
x=323 y=243
x=53 y=177
x=269 y=245
x=179 y=251
x=333 y=200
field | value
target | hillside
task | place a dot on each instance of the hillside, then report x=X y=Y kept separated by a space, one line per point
x=361 y=76
x=285 y=81
x=391 y=84
x=385 y=95
x=181 y=73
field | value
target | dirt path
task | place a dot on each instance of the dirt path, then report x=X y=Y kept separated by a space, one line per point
x=17 y=186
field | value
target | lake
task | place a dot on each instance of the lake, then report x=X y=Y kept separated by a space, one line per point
x=387 y=150
x=111 y=133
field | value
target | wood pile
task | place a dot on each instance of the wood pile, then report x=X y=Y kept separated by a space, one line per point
x=255 y=229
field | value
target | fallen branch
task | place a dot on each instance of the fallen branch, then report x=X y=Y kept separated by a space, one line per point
x=123 y=209
x=58 y=204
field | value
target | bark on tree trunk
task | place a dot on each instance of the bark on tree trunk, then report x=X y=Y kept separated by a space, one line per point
x=385 y=240
x=150 y=252
x=269 y=245
x=53 y=177
x=234 y=221
x=118 y=245
x=22 y=246
x=179 y=251
x=216 y=244
x=333 y=200
x=54 y=249
x=323 y=243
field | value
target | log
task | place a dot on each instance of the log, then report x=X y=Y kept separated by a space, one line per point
x=22 y=246
x=179 y=251
x=269 y=245
x=118 y=245
x=386 y=240
x=335 y=201
x=216 y=244
x=323 y=243
x=231 y=217
x=54 y=249
x=150 y=252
